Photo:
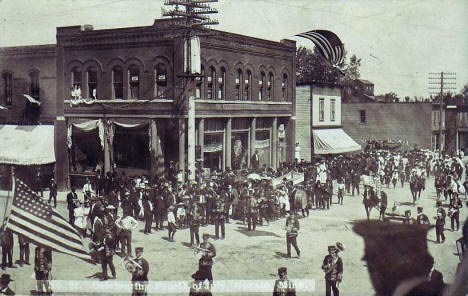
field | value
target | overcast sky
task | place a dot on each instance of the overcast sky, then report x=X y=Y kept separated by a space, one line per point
x=399 y=42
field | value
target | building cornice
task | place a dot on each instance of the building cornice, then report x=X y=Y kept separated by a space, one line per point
x=33 y=50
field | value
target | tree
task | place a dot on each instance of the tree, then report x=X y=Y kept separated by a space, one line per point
x=407 y=99
x=390 y=97
x=311 y=67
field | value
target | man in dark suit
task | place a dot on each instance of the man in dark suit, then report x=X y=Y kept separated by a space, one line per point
x=4 y=281
x=6 y=238
x=140 y=275
x=255 y=161
x=72 y=198
x=53 y=192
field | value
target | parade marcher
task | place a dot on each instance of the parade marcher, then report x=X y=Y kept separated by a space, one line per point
x=398 y=259
x=454 y=212
x=110 y=241
x=113 y=199
x=43 y=270
x=252 y=212
x=5 y=280
x=440 y=223
x=341 y=189
x=333 y=267
x=284 y=286
x=383 y=204
x=147 y=212
x=126 y=224
x=422 y=218
x=195 y=226
x=292 y=231
x=7 y=242
x=140 y=274
x=205 y=263
x=255 y=161
x=171 y=223
x=24 y=249
x=408 y=219
x=220 y=216
x=72 y=197
x=355 y=181
x=53 y=192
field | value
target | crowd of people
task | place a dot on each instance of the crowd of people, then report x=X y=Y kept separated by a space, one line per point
x=111 y=206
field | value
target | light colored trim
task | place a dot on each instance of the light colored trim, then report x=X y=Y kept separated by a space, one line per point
x=250 y=115
x=243 y=102
x=86 y=115
x=60 y=118
x=122 y=101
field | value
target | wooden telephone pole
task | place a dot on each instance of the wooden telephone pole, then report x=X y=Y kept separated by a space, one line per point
x=193 y=19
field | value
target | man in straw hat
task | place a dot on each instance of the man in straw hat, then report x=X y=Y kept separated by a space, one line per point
x=398 y=259
x=283 y=286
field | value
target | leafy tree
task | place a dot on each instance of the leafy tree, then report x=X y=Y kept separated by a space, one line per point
x=407 y=99
x=390 y=97
x=311 y=67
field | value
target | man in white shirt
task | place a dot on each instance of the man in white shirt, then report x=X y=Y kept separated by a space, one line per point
x=87 y=190
x=126 y=225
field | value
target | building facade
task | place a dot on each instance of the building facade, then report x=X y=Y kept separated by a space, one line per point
x=318 y=121
x=404 y=123
x=132 y=114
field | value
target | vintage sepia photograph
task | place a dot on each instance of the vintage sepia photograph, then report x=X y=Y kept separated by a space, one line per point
x=234 y=147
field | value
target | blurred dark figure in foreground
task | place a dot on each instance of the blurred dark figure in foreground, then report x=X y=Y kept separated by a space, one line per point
x=283 y=286
x=4 y=282
x=398 y=259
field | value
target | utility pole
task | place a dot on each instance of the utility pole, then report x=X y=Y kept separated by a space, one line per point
x=193 y=20
x=443 y=81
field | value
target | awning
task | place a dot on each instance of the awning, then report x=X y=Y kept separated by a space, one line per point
x=27 y=144
x=333 y=141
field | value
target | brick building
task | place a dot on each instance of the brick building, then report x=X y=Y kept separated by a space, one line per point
x=133 y=115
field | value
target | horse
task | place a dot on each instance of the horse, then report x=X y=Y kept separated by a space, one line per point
x=370 y=201
x=416 y=187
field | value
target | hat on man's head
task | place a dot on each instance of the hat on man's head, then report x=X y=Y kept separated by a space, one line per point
x=282 y=271
x=419 y=209
x=139 y=249
x=332 y=249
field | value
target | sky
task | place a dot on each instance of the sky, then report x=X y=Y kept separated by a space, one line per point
x=399 y=42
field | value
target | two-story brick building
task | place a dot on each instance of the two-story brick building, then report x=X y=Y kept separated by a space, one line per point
x=132 y=116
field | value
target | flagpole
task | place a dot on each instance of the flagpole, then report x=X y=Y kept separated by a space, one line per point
x=12 y=188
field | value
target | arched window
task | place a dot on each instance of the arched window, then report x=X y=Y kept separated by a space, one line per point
x=34 y=90
x=211 y=91
x=199 y=84
x=76 y=78
x=161 y=81
x=222 y=84
x=284 y=87
x=92 y=82
x=8 y=84
x=239 y=77
x=117 y=82
x=261 y=84
x=134 y=82
x=270 y=89
x=248 y=86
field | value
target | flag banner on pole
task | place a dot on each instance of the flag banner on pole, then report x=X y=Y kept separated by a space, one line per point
x=34 y=218
x=328 y=44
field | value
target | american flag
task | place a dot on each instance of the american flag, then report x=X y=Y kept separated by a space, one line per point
x=34 y=218
x=328 y=44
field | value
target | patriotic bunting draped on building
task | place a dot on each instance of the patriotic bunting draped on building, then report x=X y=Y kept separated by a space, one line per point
x=34 y=218
x=328 y=44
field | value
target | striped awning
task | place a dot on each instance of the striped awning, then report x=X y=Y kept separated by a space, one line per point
x=333 y=141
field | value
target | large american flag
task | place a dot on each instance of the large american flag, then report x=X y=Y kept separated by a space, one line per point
x=328 y=44
x=34 y=218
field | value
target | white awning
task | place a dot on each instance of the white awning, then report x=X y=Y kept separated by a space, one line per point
x=333 y=141
x=27 y=144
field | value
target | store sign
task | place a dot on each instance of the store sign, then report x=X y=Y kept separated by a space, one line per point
x=134 y=78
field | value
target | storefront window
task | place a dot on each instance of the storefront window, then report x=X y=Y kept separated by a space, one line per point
x=131 y=147
x=86 y=151
x=262 y=145
x=213 y=151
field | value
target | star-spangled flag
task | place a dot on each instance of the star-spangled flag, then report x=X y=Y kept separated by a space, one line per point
x=34 y=218
x=328 y=44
